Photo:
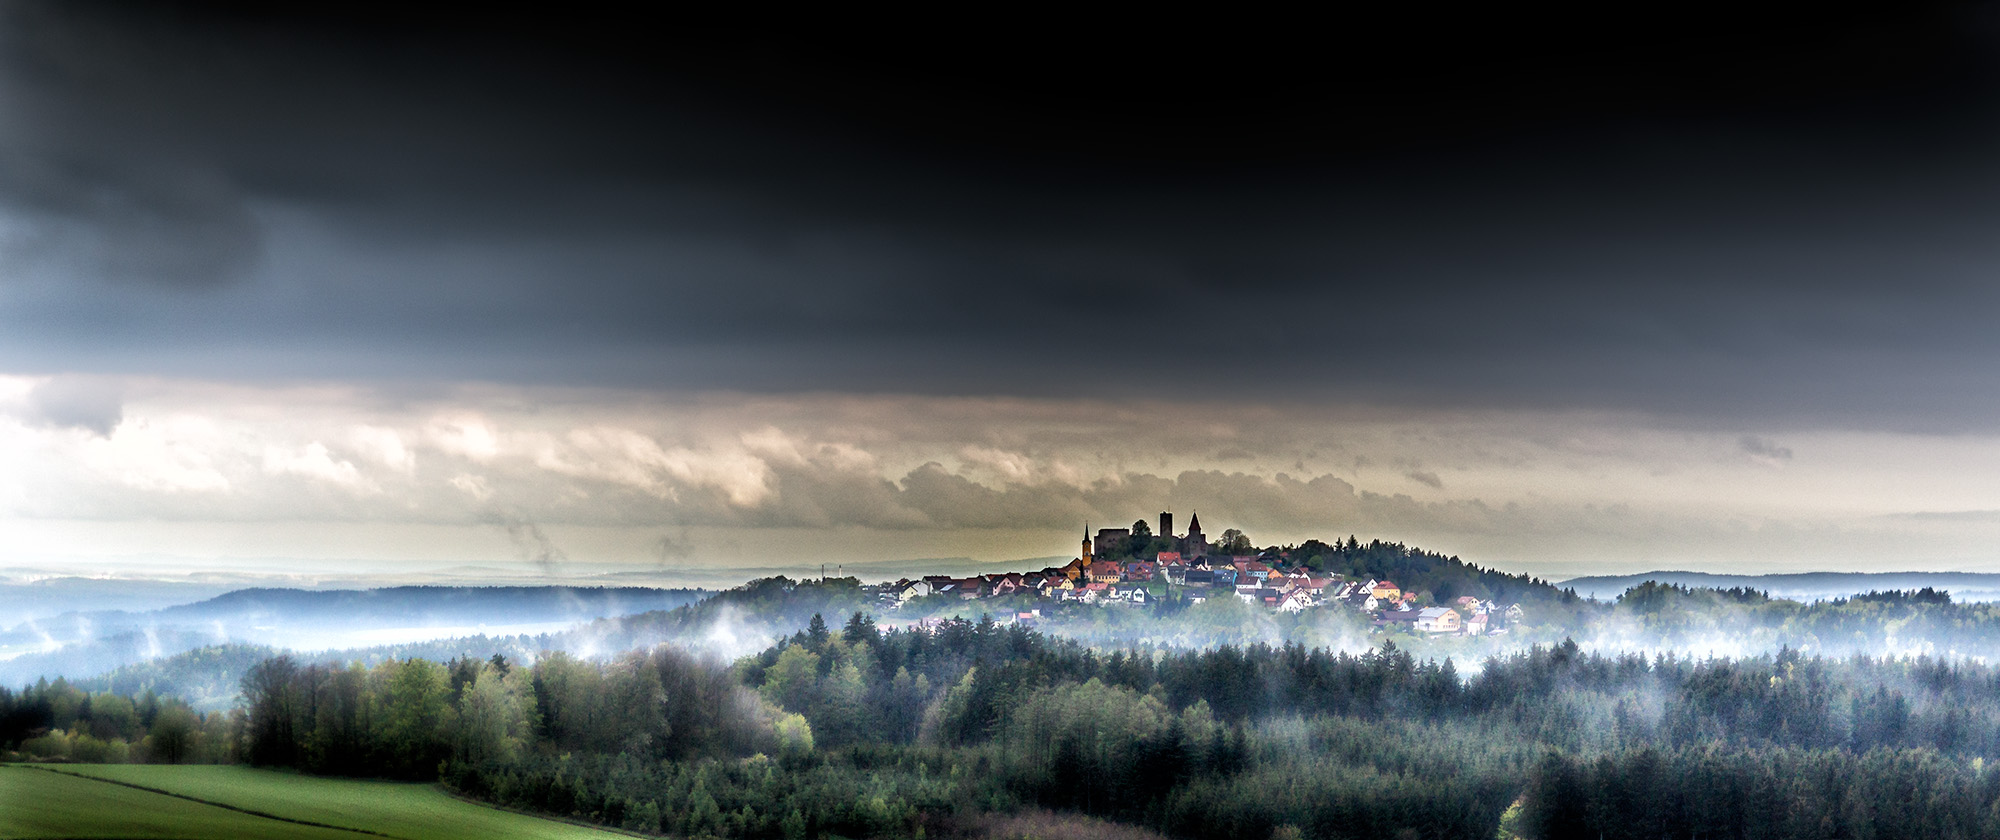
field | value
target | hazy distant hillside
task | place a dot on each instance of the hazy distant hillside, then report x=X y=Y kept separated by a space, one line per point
x=726 y=624
x=81 y=644
x=1806 y=586
x=431 y=605
x=44 y=597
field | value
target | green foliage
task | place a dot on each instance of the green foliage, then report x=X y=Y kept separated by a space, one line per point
x=175 y=730
x=1667 y=616
x=1714 y=791
x=1512 y=824
x=402 y=719
x=866 y=732
x=415 y=718
x=58 y=721
x=795 y=735
x=1234 y=542
x=493 y=718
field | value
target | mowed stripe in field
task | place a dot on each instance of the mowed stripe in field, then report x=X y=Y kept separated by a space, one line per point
x=39 y=804
x=403 y=810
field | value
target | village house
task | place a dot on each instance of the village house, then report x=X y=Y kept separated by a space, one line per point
x=1437 y=620
x=1250 y=567
x=1396 y=618
x=907 y=591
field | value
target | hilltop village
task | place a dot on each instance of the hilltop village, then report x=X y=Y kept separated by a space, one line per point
x=1140 y=568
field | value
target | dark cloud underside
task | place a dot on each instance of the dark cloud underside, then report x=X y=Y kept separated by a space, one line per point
x=1702 y=211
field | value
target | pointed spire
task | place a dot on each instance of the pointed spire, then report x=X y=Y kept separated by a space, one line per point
x=1194 y=522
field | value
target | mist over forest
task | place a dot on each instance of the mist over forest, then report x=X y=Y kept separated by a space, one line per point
x=447 y=421
x=787 y=708
x=200 y=650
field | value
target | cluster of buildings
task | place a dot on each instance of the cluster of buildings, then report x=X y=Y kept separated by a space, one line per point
x=1104 y=573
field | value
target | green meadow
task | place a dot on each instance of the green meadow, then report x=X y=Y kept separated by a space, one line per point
x=82 y=801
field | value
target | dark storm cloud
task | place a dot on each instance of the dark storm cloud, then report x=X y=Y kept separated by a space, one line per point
x=177 y=228
x=1702 y=213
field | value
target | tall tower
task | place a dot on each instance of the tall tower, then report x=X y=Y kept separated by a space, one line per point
x=1086 y=543
x=1196 y=545
x=1167 y=524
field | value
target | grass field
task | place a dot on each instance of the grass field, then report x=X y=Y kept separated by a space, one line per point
x=36 y=803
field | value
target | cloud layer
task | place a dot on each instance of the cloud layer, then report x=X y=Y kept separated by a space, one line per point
x=684 y=477
x=1743 y=220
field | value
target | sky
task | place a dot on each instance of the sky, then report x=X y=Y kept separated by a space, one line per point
x=530 y=291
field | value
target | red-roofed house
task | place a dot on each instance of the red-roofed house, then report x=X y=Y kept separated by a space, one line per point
x=1296 y=600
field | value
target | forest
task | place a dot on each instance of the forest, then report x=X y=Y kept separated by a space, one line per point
x=851 y=730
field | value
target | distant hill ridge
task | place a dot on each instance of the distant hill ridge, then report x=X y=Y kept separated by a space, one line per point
x=420 y=604
x=1800 y=586
x=79 y=643
x=433 y=601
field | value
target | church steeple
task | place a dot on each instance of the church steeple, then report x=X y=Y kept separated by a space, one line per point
x=1086 y=543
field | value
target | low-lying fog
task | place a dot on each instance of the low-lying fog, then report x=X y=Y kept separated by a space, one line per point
x=83 y=642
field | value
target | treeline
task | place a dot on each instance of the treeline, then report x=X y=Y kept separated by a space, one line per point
x=1416 y=570
x=1228 y=740
x=1657 y=615
x=957 y=686
x=912 y=729
x=57 y=721
x=732 y=622
x=854 y=730
x=1089 y=747
x=728 y=624
x=410 y=717
x=1713 y=791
